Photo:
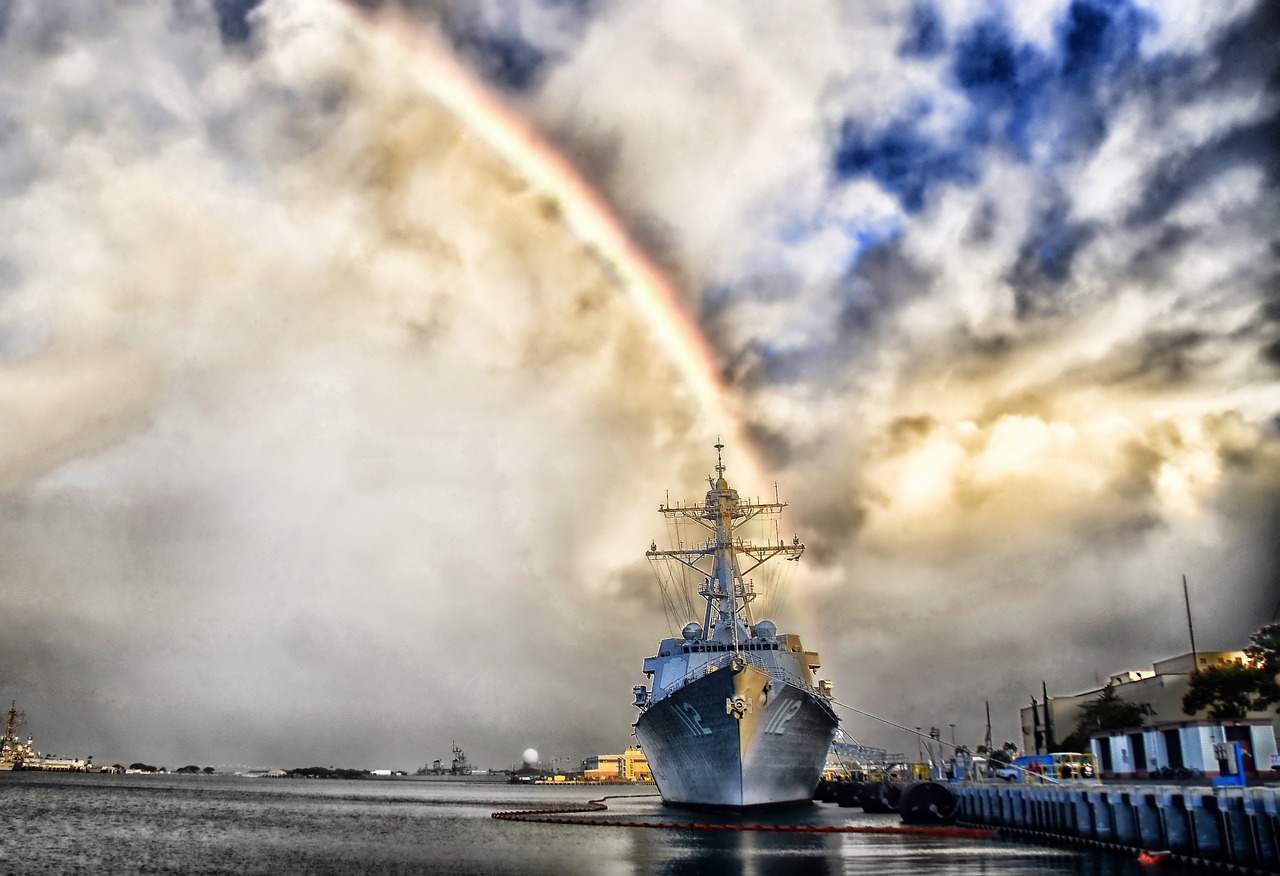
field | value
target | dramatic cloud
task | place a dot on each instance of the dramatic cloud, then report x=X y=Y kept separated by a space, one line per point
x=322 y=437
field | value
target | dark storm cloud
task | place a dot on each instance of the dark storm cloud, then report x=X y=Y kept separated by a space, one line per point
x=1245 y=64
x=884 y=278
x=1044 y=261
x=926 y=33
x=1178 y=177
x=233 y=18
x=511 y=45
x=1158 y=360
x=502 y=57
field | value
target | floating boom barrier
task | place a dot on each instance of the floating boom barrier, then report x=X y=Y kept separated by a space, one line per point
x=571 y=814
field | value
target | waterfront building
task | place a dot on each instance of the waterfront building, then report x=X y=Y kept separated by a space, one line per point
x=1168 y=742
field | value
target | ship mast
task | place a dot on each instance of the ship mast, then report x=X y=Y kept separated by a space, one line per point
x=13 y=721
x=727 y=593
x=11 y=750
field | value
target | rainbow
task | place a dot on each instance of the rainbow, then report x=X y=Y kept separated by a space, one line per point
x=583 y=211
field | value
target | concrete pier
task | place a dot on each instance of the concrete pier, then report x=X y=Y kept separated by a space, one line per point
x=1231 y=828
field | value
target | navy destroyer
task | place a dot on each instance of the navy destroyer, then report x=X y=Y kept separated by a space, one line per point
x=734 y=717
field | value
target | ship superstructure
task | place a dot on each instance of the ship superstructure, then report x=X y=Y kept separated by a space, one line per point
x=13 y=751
x=16 y=754
x=734 y=716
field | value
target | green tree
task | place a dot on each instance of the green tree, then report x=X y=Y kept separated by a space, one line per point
x=1106 y=712
x=1004 y=754
x=1229 y=691
x=1074 y=741
x=1264 y=655
x=1266 y=646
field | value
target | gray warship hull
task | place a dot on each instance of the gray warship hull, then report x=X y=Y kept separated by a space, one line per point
x=737 y=738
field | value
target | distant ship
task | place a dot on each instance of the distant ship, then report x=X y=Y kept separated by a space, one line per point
x=735 y=717
x=459 y=766
x=15 y=754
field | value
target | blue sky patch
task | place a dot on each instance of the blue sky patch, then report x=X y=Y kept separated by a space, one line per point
x=1096 y=35
x=901 y=159
x=1021 y=98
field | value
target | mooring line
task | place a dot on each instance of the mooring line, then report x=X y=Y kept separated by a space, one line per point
x=558 y=816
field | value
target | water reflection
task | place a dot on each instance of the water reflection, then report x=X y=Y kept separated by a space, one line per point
x=746 y=853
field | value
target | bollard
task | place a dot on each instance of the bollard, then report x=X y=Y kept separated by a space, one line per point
x=1084 y=816
x=1123 y=825
x=1006 y=806
x=990 y=806
x=1206 y=830
x=1238 y=838
x=1261 y=825
x=1150 y=835
x=1067 y=811
x=1055 y=809
x=1101 y=811
x=1176 y=823
x=1019 y=808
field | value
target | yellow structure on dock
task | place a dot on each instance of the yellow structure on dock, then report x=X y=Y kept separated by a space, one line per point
x=630 y=766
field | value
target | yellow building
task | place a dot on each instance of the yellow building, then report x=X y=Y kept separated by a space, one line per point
x=630 y=766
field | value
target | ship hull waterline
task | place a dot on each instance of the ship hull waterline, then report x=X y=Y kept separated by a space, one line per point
x=737 y=739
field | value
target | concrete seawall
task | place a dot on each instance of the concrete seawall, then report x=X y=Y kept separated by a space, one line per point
x=1236 y=827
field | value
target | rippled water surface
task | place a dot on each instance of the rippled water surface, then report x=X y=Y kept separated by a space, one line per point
x=224 y=824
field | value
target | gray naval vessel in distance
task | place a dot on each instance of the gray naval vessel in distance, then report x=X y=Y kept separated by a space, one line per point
x=734 y=717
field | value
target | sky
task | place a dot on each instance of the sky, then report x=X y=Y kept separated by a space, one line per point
x=347 y=352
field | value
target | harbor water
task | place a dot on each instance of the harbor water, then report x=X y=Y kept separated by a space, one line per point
x=102 y=824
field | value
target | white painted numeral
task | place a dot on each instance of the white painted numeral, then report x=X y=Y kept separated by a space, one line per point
x=778 y=723
x=689 y=715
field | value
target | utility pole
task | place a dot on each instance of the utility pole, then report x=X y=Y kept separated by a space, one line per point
x=1186 y=597
x=1038 y=737
x=1049 y=742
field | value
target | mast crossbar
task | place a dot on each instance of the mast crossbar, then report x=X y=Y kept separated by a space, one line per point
x=728 y=616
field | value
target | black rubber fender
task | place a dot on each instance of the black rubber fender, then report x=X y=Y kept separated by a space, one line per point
x=927 y=803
